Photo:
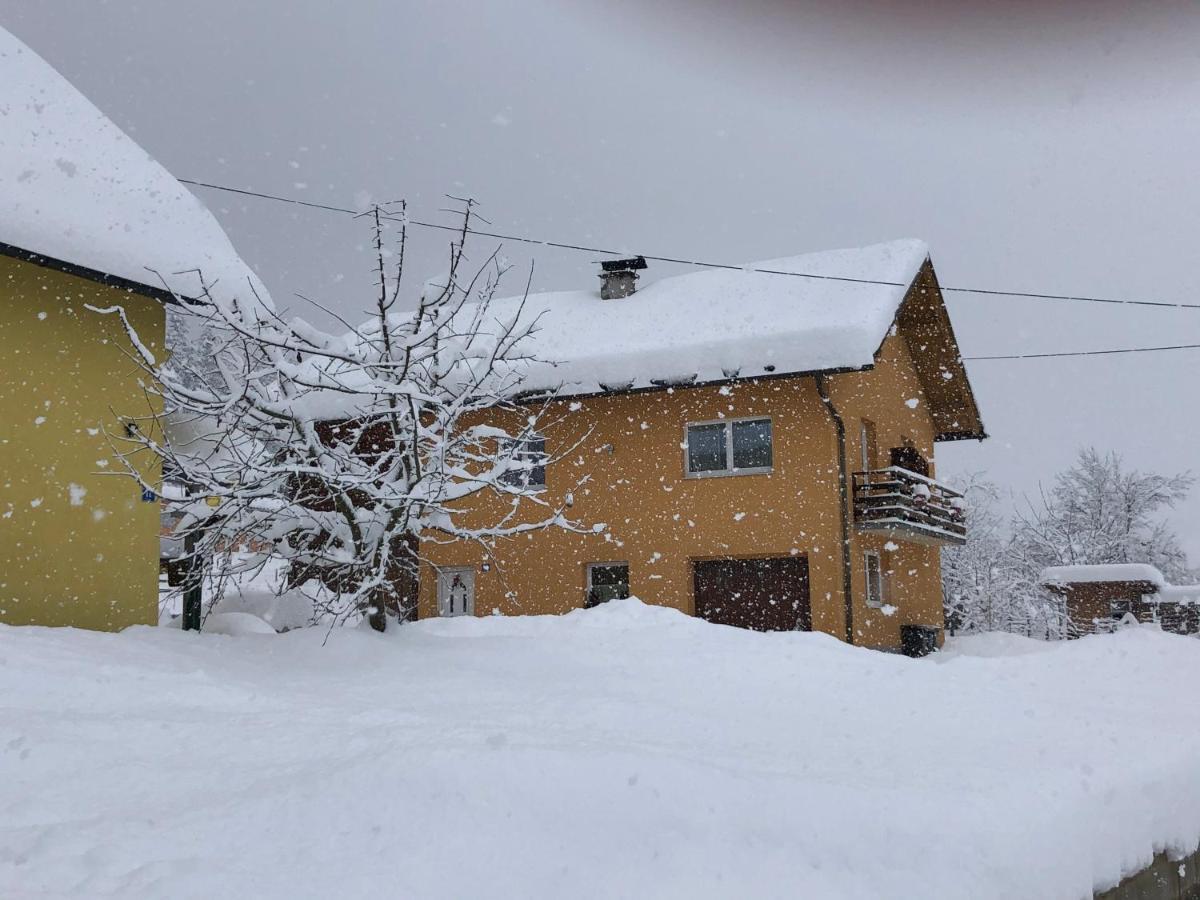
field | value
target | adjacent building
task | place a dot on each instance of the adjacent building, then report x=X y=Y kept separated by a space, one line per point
x=1099 y=597
x=90 y=222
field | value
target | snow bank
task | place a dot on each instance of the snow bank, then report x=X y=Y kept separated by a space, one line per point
x=76 y=188
x=255 y=587
x=708 y=325
x=992 y=644
x=623 y=751
x=236 y=624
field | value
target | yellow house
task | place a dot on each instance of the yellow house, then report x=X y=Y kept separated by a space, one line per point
x=90 y=222
x=758 y=445
x=78 y=543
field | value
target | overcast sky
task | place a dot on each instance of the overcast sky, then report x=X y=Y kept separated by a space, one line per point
x=1049 y=147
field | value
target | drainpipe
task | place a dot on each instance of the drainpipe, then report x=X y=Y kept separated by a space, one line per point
x=844 y=496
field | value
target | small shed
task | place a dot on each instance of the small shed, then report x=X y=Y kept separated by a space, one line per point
x=1099 y=596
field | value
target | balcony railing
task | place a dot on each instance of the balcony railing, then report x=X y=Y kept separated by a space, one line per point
x=908 y=506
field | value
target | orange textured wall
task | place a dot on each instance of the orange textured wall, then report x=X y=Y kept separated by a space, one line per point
x=630 y=450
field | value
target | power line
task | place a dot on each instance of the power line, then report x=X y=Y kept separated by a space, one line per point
x=712 y=265
x=1083 y=353
x=232 y=190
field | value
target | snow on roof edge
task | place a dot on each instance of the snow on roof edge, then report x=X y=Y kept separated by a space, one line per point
x=77 y=190
x=1177 y=593
x=699 y=327
x=1099 y=573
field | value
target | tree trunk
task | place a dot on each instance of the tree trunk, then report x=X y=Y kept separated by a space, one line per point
x=377 y=609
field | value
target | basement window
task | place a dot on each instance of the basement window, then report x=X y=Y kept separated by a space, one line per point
x=729 y=447
x=606 y=581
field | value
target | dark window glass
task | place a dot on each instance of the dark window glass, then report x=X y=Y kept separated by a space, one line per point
x=752 y=444
x=531 y=454
x=874 y=581
x=706 y=448
x=607 y=582
x=535 y=452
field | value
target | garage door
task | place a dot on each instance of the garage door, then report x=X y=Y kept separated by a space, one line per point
x=768 y=594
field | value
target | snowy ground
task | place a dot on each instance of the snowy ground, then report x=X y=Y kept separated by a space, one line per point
x=625 y=751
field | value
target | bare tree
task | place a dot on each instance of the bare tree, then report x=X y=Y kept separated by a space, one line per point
x=976 y=583
x=1099 y=511
x=344 y=453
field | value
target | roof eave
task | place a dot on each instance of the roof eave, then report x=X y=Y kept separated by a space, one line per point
x=972 y=405
x=538 y=396
x=69 y=268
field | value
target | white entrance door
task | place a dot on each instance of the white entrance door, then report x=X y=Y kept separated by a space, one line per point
x=456 y=592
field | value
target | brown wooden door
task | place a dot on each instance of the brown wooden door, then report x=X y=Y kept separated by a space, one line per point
x=769 y=594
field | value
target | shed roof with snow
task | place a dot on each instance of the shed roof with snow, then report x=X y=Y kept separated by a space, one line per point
x=80 y=195
x=1097 y=574
x=1143 y=576
x=816 y=313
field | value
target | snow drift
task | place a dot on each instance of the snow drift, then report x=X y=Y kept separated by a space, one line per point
x=621 y=751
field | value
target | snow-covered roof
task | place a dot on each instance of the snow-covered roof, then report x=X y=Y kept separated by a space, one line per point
x=1162 y=592
x=1091 y=574
x=1177 y=593
x=708 y=326
x=76 y=189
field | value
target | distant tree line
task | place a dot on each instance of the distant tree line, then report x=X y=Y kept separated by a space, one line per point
x=1098 y=511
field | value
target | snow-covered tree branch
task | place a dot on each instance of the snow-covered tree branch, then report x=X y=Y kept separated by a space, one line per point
x=344 y=452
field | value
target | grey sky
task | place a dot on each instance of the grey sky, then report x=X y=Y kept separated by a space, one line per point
x=1048 y=147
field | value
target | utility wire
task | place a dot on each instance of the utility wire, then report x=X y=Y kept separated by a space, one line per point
x=712 y=265
x=1083 y=353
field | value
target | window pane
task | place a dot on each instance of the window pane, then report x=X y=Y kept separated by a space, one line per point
x=609 y=575
x=874 y=581
x=752 y=444
x=532 y=453
x=535 y=452
x=607 y=583
x=706 y=448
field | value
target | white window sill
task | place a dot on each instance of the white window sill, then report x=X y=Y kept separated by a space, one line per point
x=728 y=473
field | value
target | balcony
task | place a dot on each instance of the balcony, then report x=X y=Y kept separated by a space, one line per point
x=906 y=506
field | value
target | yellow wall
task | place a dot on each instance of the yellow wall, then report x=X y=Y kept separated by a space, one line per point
x=659 y=521
x=914 y=586
x=78 y=545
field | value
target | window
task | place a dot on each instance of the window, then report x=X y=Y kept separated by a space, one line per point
x=874 y=577
x=530 y=454
x=870 y=451
x=737 y=446
x=1119 y=609
x=606 y=581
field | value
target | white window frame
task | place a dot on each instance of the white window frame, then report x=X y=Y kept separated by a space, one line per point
x=729 y=471
x=868 y=556
x=602 y=565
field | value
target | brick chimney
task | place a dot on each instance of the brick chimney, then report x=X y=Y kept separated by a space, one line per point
x=618 y=277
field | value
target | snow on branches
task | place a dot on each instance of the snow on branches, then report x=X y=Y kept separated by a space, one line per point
x=1098 y=511
x=344 y=452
